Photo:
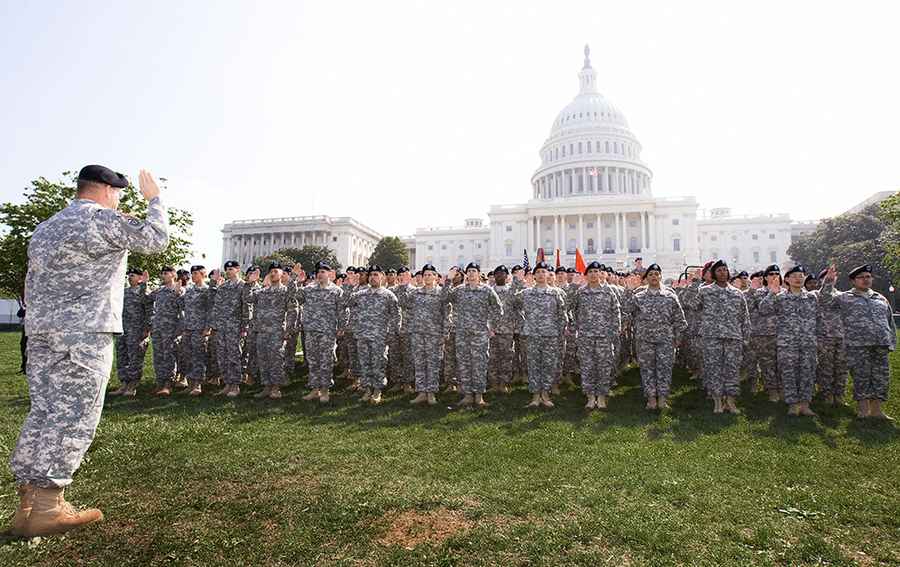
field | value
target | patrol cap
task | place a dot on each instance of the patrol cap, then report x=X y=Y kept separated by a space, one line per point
x=541 y=266
x=197 y=268
x=390 y=272
x=101 y=174
x=324 y=266
x=419 y=273
x=720 y=263
x=561 y=270
x=274 y=265
x=798 y=269
x=859 y=270
x=165 y=269
x=595 y=265
x=375 y=268
x=134 y=272
x=502 y=269
x=232 y=264
x=473 y=265
x=651 y=268
x=773 y=269
x=428 y=268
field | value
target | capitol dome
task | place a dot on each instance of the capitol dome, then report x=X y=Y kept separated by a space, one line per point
x=590 y=150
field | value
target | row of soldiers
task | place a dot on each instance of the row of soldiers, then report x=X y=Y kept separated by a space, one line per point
x=471 y=331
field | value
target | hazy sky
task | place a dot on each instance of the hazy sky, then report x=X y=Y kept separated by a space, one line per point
x=408 y=114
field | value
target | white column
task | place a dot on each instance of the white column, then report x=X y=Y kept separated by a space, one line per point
x=581 y=232
x=528 y=226
x=584 y=180
x=563 y=225
x=598 y=248
x=643 y=245
x=651 y=217
x=617 y=243
x=555 y=231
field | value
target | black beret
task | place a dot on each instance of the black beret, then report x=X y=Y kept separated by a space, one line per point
x=253 y=268
x=798 y=269
x=541 y=266
x=501 y=268
x=419 y=273
x=822 y=274
x=516 y=268
x=275 y=265
x=375 y=268
x=182 y=272
x=758 y=274
x=561 y=270
x=100 y=174
x=473 y=265
x=351 y=269
x=402 y=270
x=865 y=268
x=651 y=268
x=773 y=269
x=808 y=278
x=595 y=265
x=134 y=272
x=322 y=266
x=340 y=276
x=197 y=268
x=390 y=272
x=429 y=268
x=232 y=264
x=743 y=274
x=608 y=269
x=718 y=264
x=167 y=269
x=571 y=271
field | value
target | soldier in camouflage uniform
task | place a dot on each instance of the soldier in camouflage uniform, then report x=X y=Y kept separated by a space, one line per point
x=725 y=328
x=694 y=343
x=795 y=311
x=763 y=340
x=164 y=331
x=293 y=334
x=213 y=372
x=658 y=321
x=249 y=366
x=870 y=335
x=182 y=347
x=448 y=367
x=750 y=363
x=519 y=338
x=323 y=312
x=545 y=318
x=425 y=311
x=503 y=357
x=570 y=360
x=597 y=318
x=831 y=358
x=400 y=361
x=196 y=304
x=76 y=265
x=229 y=320
x=476 y=309
x=273 y=317
x=375 y=317
x=131 y=345
x=345 y=339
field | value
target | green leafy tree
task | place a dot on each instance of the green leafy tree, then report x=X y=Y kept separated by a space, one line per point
x=847 y=241
x=264 y=261
x=45 y=198
x=890 y=216
x=390 y=252
x=310 y=255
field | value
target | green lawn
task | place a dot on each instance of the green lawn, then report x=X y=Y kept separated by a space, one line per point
x=207 y=481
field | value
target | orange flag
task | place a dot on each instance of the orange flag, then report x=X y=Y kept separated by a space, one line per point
x=558 y=259
x=579 y=261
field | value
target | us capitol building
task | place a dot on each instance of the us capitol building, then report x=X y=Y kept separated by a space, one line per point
x=591 y=191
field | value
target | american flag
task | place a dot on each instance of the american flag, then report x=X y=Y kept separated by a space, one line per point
x=525 y=260
x=594 y=172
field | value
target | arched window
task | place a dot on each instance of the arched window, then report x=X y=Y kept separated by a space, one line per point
x=570 y=249
x=633 y=244
x=608 y=246
x=590 y=246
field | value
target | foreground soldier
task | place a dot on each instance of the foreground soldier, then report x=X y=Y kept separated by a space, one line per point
x=763 y=339
x=870 y=336
x=658 y=321
x=197 y=305
x=76 y=264
x=323 y=311
x=425 y=320
x=274 y=317
x=131 y=345
x=164 y=331
x=230 y=317
x=831 y=359
x=502 y=357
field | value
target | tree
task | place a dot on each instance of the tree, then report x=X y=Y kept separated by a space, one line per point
x=310 y=255
x=264 y=261
x=390 y=252
x=890 y=216
x=45 y=198
x=847 y=241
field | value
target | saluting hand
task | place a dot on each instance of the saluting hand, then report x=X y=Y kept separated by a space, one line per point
x=831 y=274
x=149 y=188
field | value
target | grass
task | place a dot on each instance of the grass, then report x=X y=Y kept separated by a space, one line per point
x=244 y=482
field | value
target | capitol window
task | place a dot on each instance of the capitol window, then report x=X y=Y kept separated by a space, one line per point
x=461 y=247
x=571 y=226
x=589 y=147
x=755 y=237
x=607 y=147
x=564 y=151
x=713 y=237
x=676 y=244
x=772 y=236
x=598 y=146
x=431 y=246
x=756 y=256
x=579 y=147
x=571 y=149
x=675 y=222
x=509 y=228
x=773 y=257
x=590 y=224
x=443 y=246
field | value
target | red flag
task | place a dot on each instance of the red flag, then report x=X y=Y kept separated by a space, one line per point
x=579 y=261
x=540 y=256
x=558 y=259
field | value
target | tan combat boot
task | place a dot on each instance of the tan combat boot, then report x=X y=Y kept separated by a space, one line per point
x=275 y=393
x=420 y=399
x=730 y=405
x=504 y=389
x=794 y=410
x=545 y=400
x=367 y=394
x=862 y=410
x=324 y=396
x=120 y=391
x=223 y=391
x=196 y=389
x=165 y=390
x=376 y=396
x=717 y=405
x=44 y=511
x=876 y=411
x=651 y=403
x=234 y=392
x=467 y=400
x=431 y=399
x=805 y=410
x=591 y=402
x=774 y=396
x=535 y=401
x=554 y=389
x=663 y=403
x=601 y=401
x=312 y=395
x=408 y=389
x=264 y=393
x=480 y=401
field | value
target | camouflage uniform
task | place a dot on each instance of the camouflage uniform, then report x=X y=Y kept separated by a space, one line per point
x=763 y=341
x=693 y=343
x=502 y=359
x=570 y=356
x=795 y=320
x=831 y=365
x=195 y=303
x=425 y=320
x=273 y=316
x=725 y=327
x=76 y=265
x=164 y=331
x=212 y=343
x=597 y=315
x=293 y=335
x=249 y=363
x=657 y=322
x=323 y=313
x=131 y=345
x=545 y=319
x=870 y=334
x=374 y=316
x=476 y=310
x=230 y=318
x=448 y=367
x=399 y=359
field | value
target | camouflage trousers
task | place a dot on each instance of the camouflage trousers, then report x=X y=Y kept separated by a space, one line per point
x=400 y=368
x=831 y=369
x=67 y=378
x=656 y=361
x=543 y=356
x=521 y=345
x=164 y=359
x=797 y=370
x=722 y=366
x=472 y=352
x=696 y=346
x=766 y=354
x=213 y=370
x=869 y=368
x=249 y=362
x=426 y=353
x=130 y=351
x=598 y=364
x=343 y=352
x=319 y=354
x=270 y=357
x=448 y=366
x=570 y=359
x=197 y=345
x=750 y=365
x=372 y=356
x=228 y=351
x=502 y=361
x=355 y=368
x=290 y=353
x=558 y=359
x=182 y=355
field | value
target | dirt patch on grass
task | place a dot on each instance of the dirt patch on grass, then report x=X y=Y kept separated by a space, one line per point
x=411 y=528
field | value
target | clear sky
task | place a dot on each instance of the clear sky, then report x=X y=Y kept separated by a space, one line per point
x=408 y=114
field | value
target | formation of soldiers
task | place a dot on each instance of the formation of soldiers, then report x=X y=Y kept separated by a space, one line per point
x=788 y=335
